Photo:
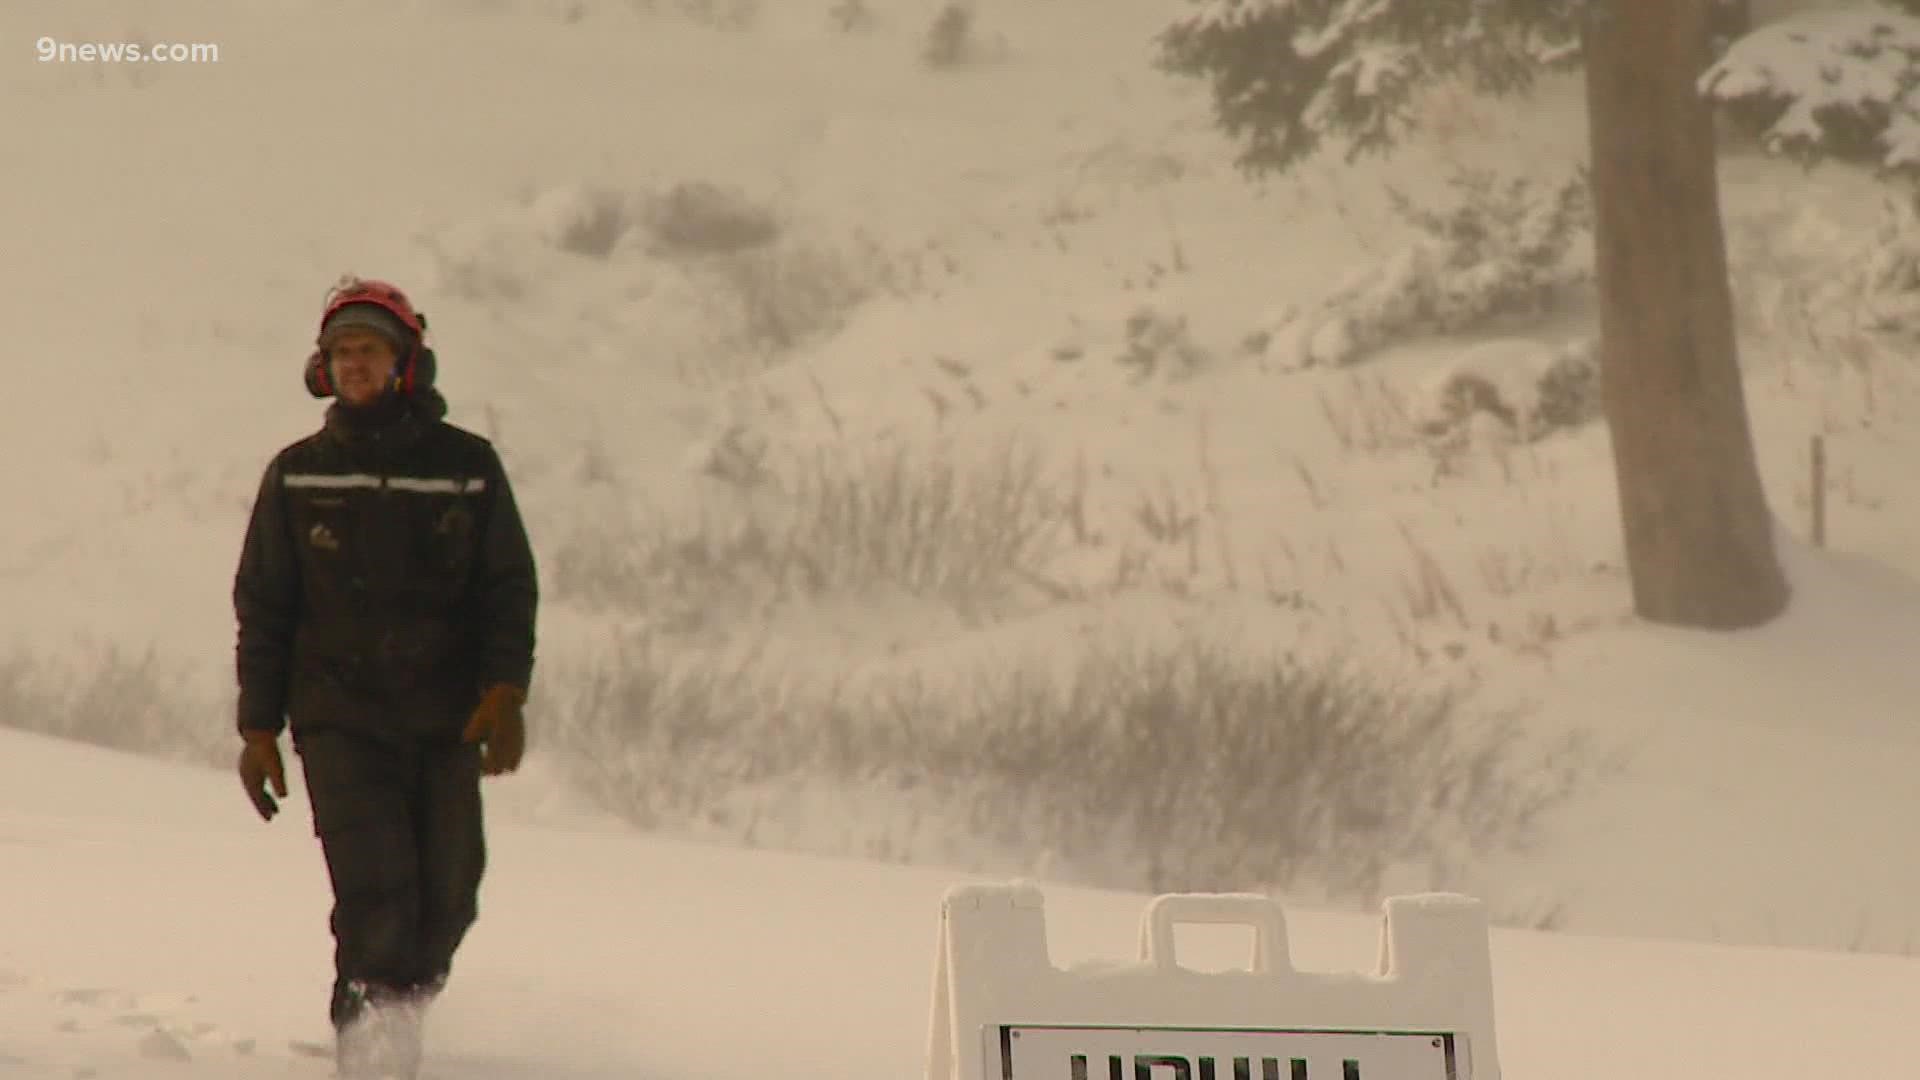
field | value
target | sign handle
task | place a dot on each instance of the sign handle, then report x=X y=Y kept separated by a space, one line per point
x=1263 y=913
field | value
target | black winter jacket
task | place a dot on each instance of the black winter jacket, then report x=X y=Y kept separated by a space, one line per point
x=386 y=578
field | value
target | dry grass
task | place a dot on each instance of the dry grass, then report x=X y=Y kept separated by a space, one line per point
x=106 y=695
x=1430 y=593
x=1371 y=417
x=843 y=521
x=1171 y=765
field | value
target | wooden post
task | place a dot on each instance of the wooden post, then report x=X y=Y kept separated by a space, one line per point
x=1819 y=491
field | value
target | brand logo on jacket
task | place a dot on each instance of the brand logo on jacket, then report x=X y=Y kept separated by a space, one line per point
x=457 y=521
x=322 y=537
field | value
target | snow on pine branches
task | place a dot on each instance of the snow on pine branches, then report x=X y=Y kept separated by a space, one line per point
x=1839 y=82
x=1287 y=74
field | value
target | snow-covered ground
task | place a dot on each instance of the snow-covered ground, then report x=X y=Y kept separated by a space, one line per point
x=1046 y=243
x=175 y=938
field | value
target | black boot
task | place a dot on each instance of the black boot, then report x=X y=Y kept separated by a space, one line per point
x=348 y=1002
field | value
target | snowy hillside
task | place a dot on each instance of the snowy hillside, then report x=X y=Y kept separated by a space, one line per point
x=836 y=381
x=163 y=936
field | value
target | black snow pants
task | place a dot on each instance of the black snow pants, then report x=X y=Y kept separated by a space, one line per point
x=401 y=830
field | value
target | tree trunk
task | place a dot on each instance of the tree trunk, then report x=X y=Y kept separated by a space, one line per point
x=1699 y=536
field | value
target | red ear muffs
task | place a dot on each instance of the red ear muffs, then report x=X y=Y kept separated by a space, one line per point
x=418 y=370
x=319 y=380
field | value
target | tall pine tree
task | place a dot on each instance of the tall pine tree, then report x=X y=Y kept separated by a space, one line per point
x=1287 y=75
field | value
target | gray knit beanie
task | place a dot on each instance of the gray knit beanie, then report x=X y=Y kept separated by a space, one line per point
x=365 y=316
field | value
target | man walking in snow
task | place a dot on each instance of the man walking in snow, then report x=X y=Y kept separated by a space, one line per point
x=385 y=600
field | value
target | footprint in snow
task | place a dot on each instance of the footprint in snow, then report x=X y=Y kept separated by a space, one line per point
x=87 y=995
x=164 y=1032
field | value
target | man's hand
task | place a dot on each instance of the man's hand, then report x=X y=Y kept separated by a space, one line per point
x=500 y=728
x=260 y=763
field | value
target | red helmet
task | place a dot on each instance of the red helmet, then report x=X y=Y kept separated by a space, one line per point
x=416 y=366
x=353 y=290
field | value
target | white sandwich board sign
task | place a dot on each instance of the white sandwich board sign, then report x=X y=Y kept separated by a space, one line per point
x=1003 y=1011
